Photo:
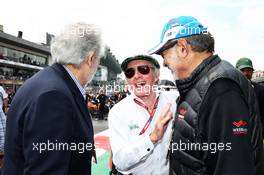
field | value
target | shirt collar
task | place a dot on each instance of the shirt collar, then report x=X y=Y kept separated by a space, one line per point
x=133 y=96
x=80 y=87
x=184 y=85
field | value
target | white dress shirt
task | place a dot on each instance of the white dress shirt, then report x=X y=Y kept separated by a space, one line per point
x=134 y=153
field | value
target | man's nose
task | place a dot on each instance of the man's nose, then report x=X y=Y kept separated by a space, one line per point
x=245 y=73
x=137 y=74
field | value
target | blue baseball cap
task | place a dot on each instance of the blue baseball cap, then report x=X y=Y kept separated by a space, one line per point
x=180 y=27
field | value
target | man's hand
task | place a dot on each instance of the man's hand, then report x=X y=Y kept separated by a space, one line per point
x=161 y=125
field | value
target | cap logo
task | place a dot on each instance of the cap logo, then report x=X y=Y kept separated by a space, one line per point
x=174 y=22
x=171 y=33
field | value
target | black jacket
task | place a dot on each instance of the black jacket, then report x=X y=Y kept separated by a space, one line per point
x=48 y=110
x=259 y=91
x=217 y=130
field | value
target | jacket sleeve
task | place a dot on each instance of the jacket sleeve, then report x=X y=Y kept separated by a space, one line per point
x=47 y=124
x=226 y=118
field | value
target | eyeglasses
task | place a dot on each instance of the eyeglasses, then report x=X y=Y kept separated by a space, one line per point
x=144 y=70
x=167 y=46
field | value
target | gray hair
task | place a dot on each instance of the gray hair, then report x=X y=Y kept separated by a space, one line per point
x=75 y=43
x=201 y=43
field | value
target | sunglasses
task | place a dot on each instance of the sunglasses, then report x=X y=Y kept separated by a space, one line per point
x=167 y=46
x=144 y=70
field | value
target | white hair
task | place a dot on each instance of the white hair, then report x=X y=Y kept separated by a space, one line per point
x=75 y=43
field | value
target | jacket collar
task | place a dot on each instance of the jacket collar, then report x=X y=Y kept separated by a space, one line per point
x=78 y=97
x=186 y=84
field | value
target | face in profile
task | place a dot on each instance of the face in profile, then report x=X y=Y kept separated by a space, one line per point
x=171 y=61
x=92 y=69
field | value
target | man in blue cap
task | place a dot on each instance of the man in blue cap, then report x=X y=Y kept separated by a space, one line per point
x=217 y=129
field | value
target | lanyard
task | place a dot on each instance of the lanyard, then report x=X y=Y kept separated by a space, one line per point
x=150 y=113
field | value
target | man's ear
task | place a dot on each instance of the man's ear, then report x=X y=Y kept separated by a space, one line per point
x=183 y=47
x=90 y=58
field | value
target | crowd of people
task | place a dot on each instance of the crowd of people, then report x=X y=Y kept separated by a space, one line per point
x=15 y=73
x=100 y=103
x=212 y=127
x=21 y=75
x=25 y=59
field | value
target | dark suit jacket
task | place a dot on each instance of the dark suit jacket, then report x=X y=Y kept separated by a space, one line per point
x=48 y=111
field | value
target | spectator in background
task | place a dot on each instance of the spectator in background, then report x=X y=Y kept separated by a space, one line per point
x=50 y=108
x=246 y=67
x=3 y=108
x=114 y=97
x=122 y=95
x=102 y=107
x=1 y=56
x=11 y=94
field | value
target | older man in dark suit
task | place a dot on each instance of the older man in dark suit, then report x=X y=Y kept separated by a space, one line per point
x=49 y=129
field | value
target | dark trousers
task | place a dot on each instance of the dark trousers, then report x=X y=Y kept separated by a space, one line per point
x=101 y=111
